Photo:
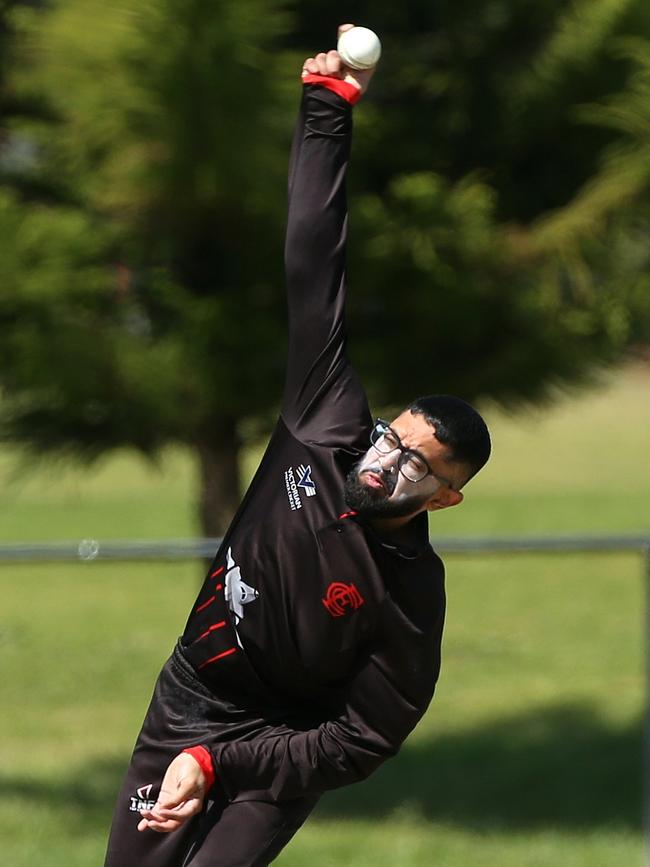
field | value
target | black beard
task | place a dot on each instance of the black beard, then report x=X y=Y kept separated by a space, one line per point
x=367 y=504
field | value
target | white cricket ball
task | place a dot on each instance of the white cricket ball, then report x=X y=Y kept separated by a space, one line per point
x=359 y=48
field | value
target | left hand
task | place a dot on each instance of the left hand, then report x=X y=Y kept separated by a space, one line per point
x=181 y=796
x=330 y=63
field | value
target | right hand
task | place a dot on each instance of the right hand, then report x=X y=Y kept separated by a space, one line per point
x=181 y=796
x=330 y=63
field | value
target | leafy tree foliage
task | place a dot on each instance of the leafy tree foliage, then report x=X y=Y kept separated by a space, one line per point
x=141 y=297
x=499 y=215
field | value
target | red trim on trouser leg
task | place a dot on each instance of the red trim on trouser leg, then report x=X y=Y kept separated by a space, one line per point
x=346 y=89
x=217 y=572
x=203 y=757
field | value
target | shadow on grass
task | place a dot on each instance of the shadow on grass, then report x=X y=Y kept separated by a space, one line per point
x=560 y=767
x=83 y=796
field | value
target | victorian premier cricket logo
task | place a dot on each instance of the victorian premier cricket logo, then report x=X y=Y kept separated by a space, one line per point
x=297 y=483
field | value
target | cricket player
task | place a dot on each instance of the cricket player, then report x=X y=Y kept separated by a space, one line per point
x=313 y=648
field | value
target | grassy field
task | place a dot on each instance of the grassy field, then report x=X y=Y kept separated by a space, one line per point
x=530 y=755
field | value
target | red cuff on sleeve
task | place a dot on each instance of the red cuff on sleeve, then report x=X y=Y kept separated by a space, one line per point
x=204 y=759
x=348 y=91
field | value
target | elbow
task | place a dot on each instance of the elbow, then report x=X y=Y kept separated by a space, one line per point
x=356 y=753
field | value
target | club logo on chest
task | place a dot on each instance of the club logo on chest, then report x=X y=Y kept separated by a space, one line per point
x=342 y=598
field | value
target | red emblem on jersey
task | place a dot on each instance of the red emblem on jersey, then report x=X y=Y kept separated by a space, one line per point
x=341 y=598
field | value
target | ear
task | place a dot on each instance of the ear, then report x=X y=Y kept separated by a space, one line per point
x=443 y=499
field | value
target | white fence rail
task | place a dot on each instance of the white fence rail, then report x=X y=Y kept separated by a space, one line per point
x=184 y=549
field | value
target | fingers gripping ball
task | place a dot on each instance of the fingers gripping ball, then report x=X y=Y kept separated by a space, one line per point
x=359 y=48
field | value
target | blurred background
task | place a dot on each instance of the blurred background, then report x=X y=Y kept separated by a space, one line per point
x=499 y=250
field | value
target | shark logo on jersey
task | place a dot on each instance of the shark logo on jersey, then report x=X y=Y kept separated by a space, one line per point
x=305 y=481
x=237 y=593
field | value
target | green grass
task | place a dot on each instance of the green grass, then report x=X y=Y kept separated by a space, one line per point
x=530 y=753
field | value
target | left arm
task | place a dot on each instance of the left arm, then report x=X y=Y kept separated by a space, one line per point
x=381 y=706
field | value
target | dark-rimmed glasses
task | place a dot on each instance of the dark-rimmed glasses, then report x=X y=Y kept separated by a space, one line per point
x=410 y=463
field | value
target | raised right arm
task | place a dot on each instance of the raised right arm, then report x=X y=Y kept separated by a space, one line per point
x=323 y=399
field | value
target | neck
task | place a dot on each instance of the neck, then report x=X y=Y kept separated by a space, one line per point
x=394 y=529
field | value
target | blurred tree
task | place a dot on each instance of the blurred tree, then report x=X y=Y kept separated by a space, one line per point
x=476 y=143
x=140 y=288
x=141 y=299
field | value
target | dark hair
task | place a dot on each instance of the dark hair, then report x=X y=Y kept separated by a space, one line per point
x=458 y=426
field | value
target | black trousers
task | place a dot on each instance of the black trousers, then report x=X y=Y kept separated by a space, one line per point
x=239 y=833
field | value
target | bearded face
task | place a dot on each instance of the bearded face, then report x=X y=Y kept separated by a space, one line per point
x=375 y=488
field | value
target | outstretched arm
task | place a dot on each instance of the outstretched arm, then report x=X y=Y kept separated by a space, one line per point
x=323 y=400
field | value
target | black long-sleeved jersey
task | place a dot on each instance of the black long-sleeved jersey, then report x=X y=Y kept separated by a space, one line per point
x=327 y=638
